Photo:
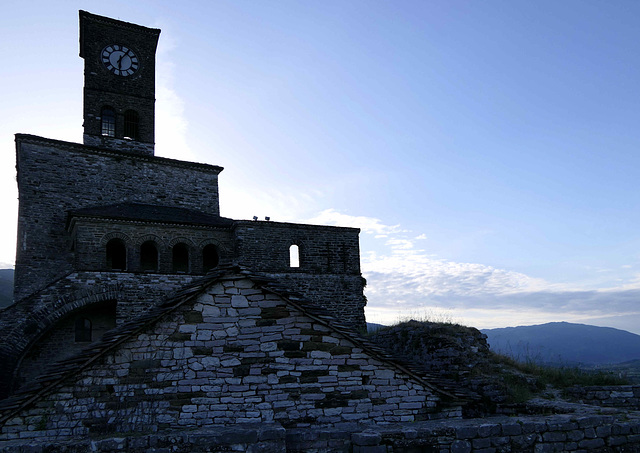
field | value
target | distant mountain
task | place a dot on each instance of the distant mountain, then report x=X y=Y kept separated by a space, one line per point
x=373 y=327
x=6 y=287
x=566 y=343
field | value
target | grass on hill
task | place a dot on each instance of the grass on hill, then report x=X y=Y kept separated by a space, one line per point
x=520 y=390
x=563 y=376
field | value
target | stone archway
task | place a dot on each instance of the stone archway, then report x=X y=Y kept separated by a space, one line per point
x=32 y=325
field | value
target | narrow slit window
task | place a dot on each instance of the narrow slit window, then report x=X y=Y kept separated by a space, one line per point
x=108 y=122
x=131 y=125
x=210 y=257
x=180 y=258
x=148 y=256
x=294 y=256
x=83 y=330
x=116 y=255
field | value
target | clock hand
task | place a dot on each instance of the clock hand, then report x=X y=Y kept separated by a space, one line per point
x=120 y=61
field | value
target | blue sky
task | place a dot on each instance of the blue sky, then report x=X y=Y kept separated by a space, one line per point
x=487 y=149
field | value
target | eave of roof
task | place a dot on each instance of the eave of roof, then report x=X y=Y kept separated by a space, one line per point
x=150 y=213
x=78 y=147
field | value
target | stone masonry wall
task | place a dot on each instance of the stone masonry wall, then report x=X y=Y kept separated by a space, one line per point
x=235 y=355
x=329 y=268
x=341 y=295
x=559 y=433
x=55 y=176
x=265 y=246
x=610 y=396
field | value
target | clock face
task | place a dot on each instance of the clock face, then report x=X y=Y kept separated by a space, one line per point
x=120 y=60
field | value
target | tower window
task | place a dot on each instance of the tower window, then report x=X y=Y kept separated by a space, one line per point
x=108 y=118
x=131 y=125
x=116 y=255
x=210 y=257
x=83 y=330
x=148 y=256
x=180 y=258
x=294 y=256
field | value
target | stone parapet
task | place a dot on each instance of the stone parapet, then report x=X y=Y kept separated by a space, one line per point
x=610 y=396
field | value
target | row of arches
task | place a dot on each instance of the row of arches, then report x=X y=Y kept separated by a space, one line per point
x=108 y=123
x=182 y=261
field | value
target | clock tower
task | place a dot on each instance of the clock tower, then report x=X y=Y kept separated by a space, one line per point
x=119 y=83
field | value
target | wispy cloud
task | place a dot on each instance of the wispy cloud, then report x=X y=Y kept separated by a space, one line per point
x=368 y=225
x=404 y=278
x=171 y=123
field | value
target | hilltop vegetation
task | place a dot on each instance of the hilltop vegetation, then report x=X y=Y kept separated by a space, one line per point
x=460 y=357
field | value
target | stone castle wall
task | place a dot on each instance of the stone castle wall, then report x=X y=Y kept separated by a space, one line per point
x=322 y=249
x=235 y=355
x=341 y=295
x=55 y=177
x=609 y=396
x=534 y=434
x=329 y=268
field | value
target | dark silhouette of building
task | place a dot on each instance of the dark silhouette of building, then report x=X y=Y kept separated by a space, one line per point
x=106 y=229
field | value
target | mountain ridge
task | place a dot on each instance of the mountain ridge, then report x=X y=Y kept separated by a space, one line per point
x=565 y=343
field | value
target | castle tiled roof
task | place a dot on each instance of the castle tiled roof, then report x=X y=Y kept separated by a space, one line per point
x=151 y=213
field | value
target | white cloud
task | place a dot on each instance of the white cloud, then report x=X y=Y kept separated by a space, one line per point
x=171 y=123
x=366 y=224
x=404 y=280
x=242 y=199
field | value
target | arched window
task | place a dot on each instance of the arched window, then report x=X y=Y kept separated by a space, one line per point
x=83 y=330
x=210 y=257
x=131 y=125
x=294 y=256
x=148 y=256
x=180 y=258
x=108 y=121
x=116 y=255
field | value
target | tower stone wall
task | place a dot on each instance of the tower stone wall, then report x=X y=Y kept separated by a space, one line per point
x=56 y=177
x=106 y=86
